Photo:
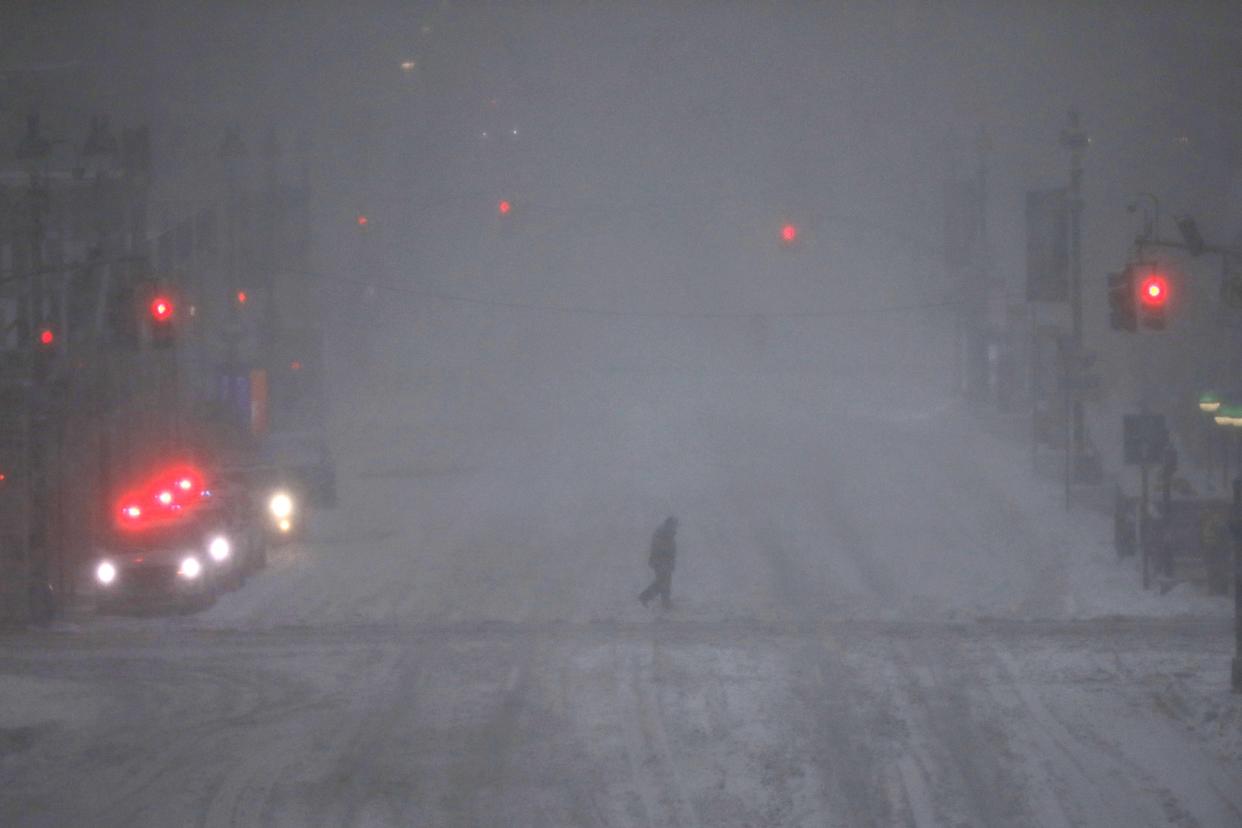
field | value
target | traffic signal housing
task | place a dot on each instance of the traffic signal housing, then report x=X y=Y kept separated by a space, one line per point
x=789 y=234
x=1122 y=304
x=46 y=348
x=1138 y=299
x=161 y=319
x=1152 y=299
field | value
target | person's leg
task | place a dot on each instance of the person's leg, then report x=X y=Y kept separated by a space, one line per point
x=650 y=592
x=666 y=588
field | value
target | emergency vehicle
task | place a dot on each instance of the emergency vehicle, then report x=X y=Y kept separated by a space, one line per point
x=177 y=541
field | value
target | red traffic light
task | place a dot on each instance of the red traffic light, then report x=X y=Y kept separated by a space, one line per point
x=47 y=336
x=162 y=309
x=362 y=220
x=1154 y=291
x=242 y=297
x=504 y=207
x=789 y=234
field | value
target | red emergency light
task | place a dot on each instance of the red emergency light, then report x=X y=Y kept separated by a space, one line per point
x=168 y=496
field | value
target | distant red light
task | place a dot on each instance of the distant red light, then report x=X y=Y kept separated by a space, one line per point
x=295 y=366
x=363 y=221
x=242 y=297
x=504 y=207
x=1154 y=290
x=46 y=336
x=789 y=234
x=161 y=309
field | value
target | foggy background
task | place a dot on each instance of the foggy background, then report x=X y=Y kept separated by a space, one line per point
x=652 y=153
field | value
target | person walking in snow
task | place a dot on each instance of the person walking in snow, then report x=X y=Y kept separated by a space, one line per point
x=662 y=559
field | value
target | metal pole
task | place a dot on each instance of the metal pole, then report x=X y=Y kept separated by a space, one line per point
x=1032 y=361
x=1069 y=440
x=1224 y=459
x=1236 y=666
x=1074 y=139
x=1142 y=528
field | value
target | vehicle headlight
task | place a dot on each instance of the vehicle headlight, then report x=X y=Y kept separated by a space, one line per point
x=190 y=568
x=281 y=505
x=219 y=548
x=105 y=573
x=284 y=525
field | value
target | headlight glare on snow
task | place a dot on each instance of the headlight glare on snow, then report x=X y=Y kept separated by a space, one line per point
x=219 y=548
x=190 y=568
x=281 y=505
x=105 y=573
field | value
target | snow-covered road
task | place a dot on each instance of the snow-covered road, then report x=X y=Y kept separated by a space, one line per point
x=676 y=722
x=882 y=619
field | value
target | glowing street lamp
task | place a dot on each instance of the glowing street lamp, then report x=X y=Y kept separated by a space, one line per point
x=1229 y=415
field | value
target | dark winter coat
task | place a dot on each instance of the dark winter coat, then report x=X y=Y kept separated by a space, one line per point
x=664 y=547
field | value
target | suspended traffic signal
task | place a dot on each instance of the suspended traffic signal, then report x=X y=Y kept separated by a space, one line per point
x=1123 y=312
x=1138 y=298
x=46 y=351
x=161 y=311
x=1153 y=300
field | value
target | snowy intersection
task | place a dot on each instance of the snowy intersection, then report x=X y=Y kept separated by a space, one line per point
x=879 y=621
x=671 y=723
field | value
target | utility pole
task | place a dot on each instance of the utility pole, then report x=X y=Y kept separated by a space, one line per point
x=1074 y=138
x=1236 y=526
x=29 y=426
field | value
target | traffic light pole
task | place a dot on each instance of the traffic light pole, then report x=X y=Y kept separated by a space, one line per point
x=1074 y=139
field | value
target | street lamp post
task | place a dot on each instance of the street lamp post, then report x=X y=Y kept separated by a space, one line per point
x=1235 y=671
x=1230 y=416
x=1209 y=403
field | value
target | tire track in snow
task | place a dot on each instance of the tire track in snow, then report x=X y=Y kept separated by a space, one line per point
x=247 y=699
x=1099 y=759
x=246 y=793
x=961 y=750
x=653 y=767
x=842 y=751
